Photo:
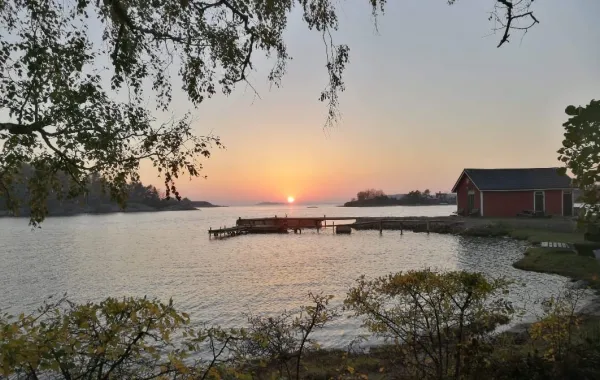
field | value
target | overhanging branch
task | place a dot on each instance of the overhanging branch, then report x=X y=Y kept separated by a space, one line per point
x=24 y=129
x=511 y=17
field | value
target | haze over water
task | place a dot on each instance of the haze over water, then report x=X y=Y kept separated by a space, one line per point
x=169 y=254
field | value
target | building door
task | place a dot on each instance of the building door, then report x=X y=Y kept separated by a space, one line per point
x=538 y=203
x=470 y=201
x=567 y=203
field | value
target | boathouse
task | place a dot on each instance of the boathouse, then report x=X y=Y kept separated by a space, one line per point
x=513 y=192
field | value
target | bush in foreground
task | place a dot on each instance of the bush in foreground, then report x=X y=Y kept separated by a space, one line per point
x=441 y=324
x=129 y=338
x=147 y=339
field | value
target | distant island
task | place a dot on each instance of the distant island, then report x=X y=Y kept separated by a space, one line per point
x=377 y=198
x=204 y=204
x=140 y=198
x=271 y=204
x=70 y=209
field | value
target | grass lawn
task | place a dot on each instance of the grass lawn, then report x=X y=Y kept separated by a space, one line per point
x=538 y=236
x=580 y=265
x=565 y=263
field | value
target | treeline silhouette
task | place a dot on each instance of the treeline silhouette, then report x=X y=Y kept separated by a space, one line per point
x=140 y=197
x=375 y=197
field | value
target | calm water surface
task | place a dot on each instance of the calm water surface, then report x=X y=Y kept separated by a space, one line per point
x=169 y=255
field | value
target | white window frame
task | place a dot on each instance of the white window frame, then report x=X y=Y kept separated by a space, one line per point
x=481 y=203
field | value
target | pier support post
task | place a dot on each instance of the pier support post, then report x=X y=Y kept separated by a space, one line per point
x=401 y=228
x=427 y=228
x=380 y=228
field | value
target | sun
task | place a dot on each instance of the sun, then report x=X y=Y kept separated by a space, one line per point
x=291 y=199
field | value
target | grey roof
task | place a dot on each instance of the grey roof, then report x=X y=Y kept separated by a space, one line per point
x=518 y=179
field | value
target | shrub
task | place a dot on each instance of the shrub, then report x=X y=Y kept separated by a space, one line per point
x=280 y=342
x=128 y=338
x=440 y=323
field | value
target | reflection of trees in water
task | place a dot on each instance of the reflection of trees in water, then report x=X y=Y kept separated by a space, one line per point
x=494 y=257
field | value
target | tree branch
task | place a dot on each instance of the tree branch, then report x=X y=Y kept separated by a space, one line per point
x=510 y=17
x=24 y=129
x=68 y=161
x=128 y=349
x=215 y=357
x=123 y=18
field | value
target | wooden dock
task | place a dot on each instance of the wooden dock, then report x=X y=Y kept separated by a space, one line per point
x=242 y=230
x=297 y=224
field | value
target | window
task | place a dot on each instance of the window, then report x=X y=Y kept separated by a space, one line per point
x=538 y=201
x=471 y=200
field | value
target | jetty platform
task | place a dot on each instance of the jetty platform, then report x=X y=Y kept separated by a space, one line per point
x=340 y=225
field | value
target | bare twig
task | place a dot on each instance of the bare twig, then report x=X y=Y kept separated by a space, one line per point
x=511 y=8
x=215 y=355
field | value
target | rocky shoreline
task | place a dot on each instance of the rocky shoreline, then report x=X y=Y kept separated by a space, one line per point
x=446 y=225
x=456 y=225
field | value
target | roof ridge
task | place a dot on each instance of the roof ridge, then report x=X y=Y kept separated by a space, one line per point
x=548 y=167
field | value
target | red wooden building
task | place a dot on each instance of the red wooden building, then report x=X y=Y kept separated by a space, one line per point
x=508 y=192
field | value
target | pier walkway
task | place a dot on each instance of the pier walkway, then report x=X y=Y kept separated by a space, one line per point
x=297 y=224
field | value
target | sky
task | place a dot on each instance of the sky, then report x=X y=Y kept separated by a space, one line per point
x=427 y=94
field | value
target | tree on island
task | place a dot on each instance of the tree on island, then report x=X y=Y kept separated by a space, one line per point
x=71 y=103
x=370 y=194
x=373 y=197
x=417 y=197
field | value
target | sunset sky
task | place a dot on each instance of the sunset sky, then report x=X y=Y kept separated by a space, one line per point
x=427 y=95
